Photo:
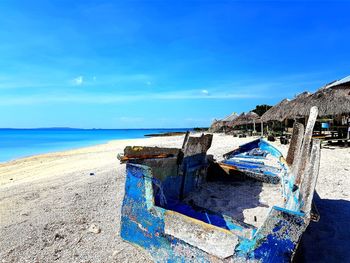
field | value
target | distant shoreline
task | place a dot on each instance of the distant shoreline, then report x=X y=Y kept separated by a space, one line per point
x=92 y=129
x=164 y=134
x=83 y=147
x=21 y=143
x=176 y=133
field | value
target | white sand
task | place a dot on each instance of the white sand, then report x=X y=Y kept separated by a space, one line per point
x=49 y=202
x=248 y=201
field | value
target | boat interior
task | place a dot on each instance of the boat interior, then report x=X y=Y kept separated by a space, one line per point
x=250 y=204
x=205 y=190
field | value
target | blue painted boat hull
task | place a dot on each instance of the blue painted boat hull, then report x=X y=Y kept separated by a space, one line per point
x=250 y=159
x=155 y=217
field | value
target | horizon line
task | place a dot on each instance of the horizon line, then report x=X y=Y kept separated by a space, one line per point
x=71 y=128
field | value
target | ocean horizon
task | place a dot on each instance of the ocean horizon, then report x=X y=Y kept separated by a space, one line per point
x=24 y=142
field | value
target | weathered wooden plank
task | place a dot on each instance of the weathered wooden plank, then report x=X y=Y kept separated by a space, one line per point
x=187 y=135
x=262 y=173
x=305 y=148
x=140 y=157
x=277 y=239
x=309 y=179
x=136 y=151
x=193 y=168
x=211 y=239
x=295 y=143
x=197 y=145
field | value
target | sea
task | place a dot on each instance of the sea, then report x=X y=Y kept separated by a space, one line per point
x=18 y=143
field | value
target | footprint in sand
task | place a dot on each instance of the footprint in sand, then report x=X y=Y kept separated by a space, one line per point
x=31 y=196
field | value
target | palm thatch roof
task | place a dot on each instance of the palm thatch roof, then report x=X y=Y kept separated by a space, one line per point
x=331 y=99
x=250 y=117
x=230 y=117
x=237 y=120
x=277 y=112
x=218 y=125
x=215 y=126
x=292 y=109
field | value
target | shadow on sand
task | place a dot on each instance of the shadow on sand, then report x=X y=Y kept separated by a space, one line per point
x=228 y=198
x=329 y=239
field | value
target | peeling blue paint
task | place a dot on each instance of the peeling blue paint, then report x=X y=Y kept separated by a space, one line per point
x=249 y=159
x=151 y=190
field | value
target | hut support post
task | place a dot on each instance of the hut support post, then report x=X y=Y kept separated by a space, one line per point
x=254 y=126
x=262 y=129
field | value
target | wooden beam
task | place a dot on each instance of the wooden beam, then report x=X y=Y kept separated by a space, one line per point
x=309 y=179
x=305 y=148
x=143 y=157
x=295 y=143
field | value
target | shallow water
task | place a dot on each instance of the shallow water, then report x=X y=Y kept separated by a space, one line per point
x=17 y=143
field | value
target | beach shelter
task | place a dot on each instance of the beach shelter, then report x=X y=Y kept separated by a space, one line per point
x=238 y=120
x=247 y=118
x=227 y=121
x=217 y=125
x=277 y=112
x=230 y=118
x=291 y=110
x=331 y=99
x=251 y=117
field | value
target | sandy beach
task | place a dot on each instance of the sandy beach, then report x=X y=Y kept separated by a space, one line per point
x=65 y=206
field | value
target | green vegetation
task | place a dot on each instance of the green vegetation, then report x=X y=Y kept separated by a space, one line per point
x=261 y=109
x=200 y=129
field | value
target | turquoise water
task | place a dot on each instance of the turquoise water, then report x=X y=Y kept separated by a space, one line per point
x=17 y=143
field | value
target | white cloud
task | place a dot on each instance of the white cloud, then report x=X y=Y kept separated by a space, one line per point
x=78 y=80
x=107 y=98
x=233 y=91
x=205 y=92
x=148 y=83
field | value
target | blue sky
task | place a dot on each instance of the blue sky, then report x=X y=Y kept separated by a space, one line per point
x=140 y=64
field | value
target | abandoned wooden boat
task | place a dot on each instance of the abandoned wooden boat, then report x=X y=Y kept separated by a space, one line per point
x=182 y=207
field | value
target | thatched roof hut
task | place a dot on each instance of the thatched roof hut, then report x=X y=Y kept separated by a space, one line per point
x=292 y=109
x=237 y=120
x=230 y=117
x=249 y=118
x=331 y=99
x=219 y=125
x=276 y=113
x=215 y=126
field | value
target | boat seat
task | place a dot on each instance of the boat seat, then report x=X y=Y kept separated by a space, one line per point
x=209 y=238
x=255 y=170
